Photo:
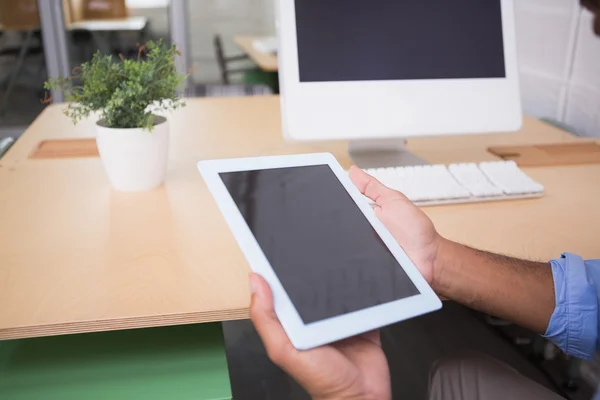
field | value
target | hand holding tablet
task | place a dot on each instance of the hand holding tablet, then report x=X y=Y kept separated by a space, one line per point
x=354 y=368
x=334 y=269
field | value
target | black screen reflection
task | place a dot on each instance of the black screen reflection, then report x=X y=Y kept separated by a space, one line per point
x=359 y=40
x=327 y=256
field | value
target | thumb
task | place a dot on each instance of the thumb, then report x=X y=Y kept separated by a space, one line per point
x=262 y=313
x=373 y=189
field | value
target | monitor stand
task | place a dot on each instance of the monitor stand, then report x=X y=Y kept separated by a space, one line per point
x=382 y=153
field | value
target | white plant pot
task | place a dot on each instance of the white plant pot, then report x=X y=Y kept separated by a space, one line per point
x=134 y=159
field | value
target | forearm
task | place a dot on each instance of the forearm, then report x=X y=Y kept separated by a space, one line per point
x=516 y=290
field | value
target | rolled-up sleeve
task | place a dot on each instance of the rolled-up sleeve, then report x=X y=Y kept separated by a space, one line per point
x=574 y=323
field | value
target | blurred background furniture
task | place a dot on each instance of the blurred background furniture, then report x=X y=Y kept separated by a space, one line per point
x=21 y=16
x=104 y=9
x=253 y=80
x=225 y=62
x=85 y=10
x=267 y=61
x=94 y=24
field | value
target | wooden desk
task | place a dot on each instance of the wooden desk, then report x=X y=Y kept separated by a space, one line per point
x=78 y=257
x=266 y=61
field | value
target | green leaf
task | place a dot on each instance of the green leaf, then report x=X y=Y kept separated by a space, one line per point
x=122 y=90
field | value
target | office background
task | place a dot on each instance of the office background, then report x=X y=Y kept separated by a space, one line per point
x=559 y=58
x=558 y=54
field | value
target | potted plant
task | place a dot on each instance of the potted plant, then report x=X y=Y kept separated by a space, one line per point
x=128 y=96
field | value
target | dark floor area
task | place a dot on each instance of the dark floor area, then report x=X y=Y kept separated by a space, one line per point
x=411 y=346
x=23 y=107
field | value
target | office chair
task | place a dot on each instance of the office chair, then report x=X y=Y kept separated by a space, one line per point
x=226 y=89
x=23 y=16
x=102 y=9
x=224 y=62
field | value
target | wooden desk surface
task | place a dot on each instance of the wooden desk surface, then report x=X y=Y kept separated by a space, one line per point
x=79 y=257
x=267 y=62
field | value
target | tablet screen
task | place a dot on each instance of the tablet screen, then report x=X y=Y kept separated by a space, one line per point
x=324 y=251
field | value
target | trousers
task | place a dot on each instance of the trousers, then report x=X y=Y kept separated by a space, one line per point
x=472 y=376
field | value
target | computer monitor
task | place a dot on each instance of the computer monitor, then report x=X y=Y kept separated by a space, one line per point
x=392 y=69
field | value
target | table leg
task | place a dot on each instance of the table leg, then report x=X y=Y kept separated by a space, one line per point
x=144 y=33
x=102 y=43
x=15 y=74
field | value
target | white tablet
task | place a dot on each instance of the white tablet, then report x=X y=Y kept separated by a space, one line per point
x=334 y=269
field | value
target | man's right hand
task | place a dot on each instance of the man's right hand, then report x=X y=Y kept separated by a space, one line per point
x=411 y=228
x=516 y=290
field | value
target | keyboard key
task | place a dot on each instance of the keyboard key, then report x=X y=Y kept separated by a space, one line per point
x=509 y=177
x=475 y=181
x=459 y=183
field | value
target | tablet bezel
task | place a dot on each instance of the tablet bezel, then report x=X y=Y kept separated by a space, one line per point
x=332 y=329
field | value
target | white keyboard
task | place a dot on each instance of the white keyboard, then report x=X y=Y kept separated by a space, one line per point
x=460 y=183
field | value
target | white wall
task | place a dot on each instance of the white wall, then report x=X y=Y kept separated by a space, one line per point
x=583 y=99
x=559 y=58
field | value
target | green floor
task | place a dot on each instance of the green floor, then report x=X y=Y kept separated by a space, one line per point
x=182 y=362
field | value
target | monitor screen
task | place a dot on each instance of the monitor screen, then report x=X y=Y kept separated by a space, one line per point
x=324 y=251
x=362 y=40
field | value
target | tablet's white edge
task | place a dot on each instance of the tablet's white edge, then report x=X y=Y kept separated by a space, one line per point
x=333 y=329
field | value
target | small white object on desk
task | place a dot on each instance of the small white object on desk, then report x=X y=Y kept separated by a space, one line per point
x=105 y=25
x=460 y=183
x=146 y=4
x=268 y=45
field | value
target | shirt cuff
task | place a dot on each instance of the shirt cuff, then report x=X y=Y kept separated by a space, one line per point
x=574 y=323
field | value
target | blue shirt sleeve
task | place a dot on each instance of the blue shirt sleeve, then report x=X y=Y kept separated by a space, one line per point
x=574 y=323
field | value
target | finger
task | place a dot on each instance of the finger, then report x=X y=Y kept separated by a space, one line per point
x=373 y=337
x=278 y=346
x=372 y=188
